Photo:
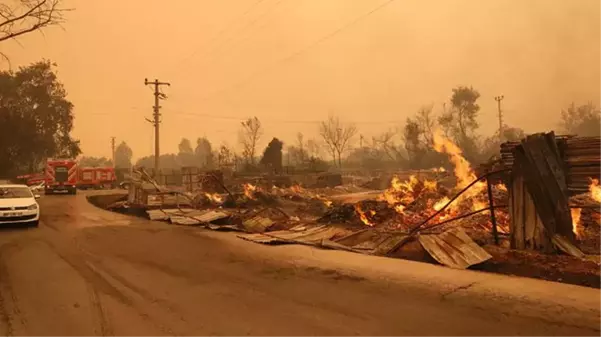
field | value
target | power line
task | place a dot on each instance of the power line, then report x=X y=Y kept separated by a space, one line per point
x=239 y=119
x=158 y=95
x=225 y=29
x=241 y=39
x=299 y=52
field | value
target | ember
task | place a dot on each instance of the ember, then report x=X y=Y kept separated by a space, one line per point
x=249 y=190
x=576 y=214
x=214 y=198
x=364 y=215
x=595 y=190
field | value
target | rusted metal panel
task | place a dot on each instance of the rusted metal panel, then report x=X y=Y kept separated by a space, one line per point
x=454 y=249
x=257 y=224
x=163 y=214
x=261 y=238
x=309 y=235
x=197 y=218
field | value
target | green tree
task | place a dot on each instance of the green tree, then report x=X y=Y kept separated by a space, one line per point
x=123 y=155
x=35 y=118
x=185 y=156
x=272 y=155
x=416 y=150
x=583 y=120
x=204 y=153
x=460 y=122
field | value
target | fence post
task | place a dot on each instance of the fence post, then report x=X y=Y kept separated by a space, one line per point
x=491 y=205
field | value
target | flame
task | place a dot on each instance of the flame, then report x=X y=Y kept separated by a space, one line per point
x=249 y=190
x=296 y=188
x=595 y=190
x=440 y=169
x=215 y=198
x=463 y=170
x=478 y=205
x=363 y=215
x=328 y=203
x=400 y=208
x=400 y=191
x=431 y=185
x=440 y=203
x=501 y=186
x=576 y=213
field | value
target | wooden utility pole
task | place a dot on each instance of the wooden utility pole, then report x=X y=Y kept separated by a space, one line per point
x=361 y=141
x=113 y=150
x=158 y=95
x=499 y=99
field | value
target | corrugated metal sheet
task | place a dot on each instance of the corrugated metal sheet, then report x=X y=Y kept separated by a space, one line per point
x=454 y=249
x=158 y=214
x=309 y=235
x=257 y=224
x=198 y=218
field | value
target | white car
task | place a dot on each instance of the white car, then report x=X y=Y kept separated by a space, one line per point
x=37 y=187
x=18 y=205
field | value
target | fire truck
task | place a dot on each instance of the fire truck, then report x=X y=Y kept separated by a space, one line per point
x=61 y=176
x=96 y=177
x=31 y=179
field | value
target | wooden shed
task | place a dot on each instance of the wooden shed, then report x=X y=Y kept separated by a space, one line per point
x=539 y=195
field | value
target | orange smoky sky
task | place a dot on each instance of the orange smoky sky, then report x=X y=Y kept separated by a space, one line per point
x=289 y=63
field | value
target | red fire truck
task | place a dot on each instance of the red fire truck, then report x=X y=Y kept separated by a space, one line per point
x=96 y=177
x=61 y=176
x=31 y=179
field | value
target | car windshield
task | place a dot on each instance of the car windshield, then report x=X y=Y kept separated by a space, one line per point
x=15 y=192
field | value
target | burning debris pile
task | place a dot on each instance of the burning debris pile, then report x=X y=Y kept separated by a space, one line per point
x=586 y=217
x=428 y=204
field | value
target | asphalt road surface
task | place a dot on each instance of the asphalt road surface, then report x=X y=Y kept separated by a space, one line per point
x=86 y=271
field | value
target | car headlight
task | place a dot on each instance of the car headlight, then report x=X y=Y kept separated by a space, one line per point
x=32 y=207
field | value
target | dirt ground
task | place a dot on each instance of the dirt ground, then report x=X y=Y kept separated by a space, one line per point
x=556 y=268
x=86 y=271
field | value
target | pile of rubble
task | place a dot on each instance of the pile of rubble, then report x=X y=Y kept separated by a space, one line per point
x=417 y=208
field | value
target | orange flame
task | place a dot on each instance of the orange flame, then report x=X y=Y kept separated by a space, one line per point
x=478 y=205
x=363 y=215
x=400 y=191
x=440 y=203
x=296 y=189
x=576 y=213
x=463 y=170
x=249 y=190
x=595 y=190
x=501 y=187
x=400 y=208
x=431 y=185
x=215 y=198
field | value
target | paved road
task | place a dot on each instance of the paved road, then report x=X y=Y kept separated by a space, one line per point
x=85 y=271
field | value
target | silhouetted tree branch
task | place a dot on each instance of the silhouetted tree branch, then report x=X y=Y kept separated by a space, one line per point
x=20 y=17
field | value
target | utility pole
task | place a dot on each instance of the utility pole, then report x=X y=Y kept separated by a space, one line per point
x=113 y=150
x=158 y=95
x=499 y=99
x=361 y=141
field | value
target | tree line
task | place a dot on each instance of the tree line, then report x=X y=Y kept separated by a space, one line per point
x=409 y=146
x=36 y=120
